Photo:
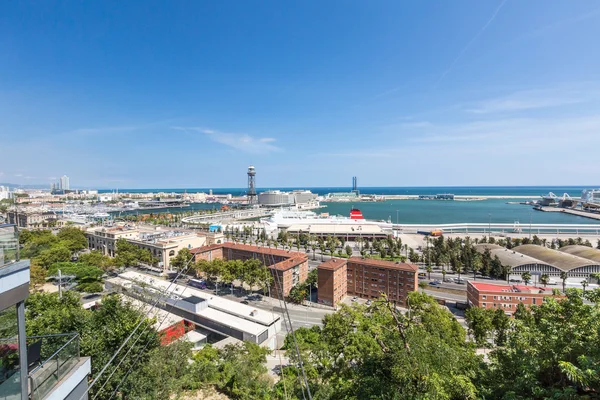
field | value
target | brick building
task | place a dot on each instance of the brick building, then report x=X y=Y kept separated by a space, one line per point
x=289 y=268
x=366 y=278
x=332 y=281
x=506 y=297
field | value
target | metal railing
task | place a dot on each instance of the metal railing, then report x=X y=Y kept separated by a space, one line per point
x=58 y=355
x=9 y=244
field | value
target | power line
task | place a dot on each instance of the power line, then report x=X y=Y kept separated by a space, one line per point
x=127 y=340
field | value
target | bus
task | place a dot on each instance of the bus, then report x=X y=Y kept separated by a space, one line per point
x=197 y=283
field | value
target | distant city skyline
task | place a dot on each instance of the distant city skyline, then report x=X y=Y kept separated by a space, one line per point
x=402 y=94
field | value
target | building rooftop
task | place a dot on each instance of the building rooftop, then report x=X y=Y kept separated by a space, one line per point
x=508 y=257
x=164 y=319
x=215 y=302
x=491 y=287
x=558 y=259
x=384 y=264
x=333 y=263
x=582 y=251
x=293 y=258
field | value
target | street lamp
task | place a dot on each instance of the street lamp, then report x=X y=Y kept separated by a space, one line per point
x=489 y=226
x=530 y=218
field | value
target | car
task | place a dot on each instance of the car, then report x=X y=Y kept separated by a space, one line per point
x=368 y=302
x=355 y=298
x=435 y=283
x=245 y=302
x=447 y=280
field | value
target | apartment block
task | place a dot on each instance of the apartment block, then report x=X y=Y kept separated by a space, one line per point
x=369 y=278
x=332 y=281
x=505 y=297
x=163 y=244
x=289 y=268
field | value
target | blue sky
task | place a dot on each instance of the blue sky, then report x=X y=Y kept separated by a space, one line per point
x=188 y=94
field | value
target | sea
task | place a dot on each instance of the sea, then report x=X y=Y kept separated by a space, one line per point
x=422 y=211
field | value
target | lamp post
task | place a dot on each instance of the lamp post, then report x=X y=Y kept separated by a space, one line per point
x=489 y=226
x=530 y=218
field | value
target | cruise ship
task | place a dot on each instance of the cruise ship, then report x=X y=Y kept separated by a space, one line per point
x=325 y=224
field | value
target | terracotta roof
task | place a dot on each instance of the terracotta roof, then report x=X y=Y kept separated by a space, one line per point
x=292 y=258
x=333 y=264
x=384 y=264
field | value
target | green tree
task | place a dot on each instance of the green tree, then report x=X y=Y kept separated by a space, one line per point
x=72 y=238
x=298 y=293
x=544 y=279
x=480 y=323
x=428 y=269
x=526 y=276
x=97 y=259
x=183 y=259
x=57 y=253
x=348 y=251
x=563 y=277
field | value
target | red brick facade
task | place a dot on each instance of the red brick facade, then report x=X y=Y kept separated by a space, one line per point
x=332 y=281
x=366 y=278
x=506 y=297
x=288 y=267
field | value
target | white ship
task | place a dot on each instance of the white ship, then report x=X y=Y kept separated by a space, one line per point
x=325 y=224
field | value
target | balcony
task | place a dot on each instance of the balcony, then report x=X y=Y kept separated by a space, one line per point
x=55 y=368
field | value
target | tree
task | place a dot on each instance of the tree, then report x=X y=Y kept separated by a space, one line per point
x=88 y=277
x=544 y=279
x=584 y=284
x=348 y=250
x=97 y=259
x=73 y=238
x=53 y=255
x=298 y=293
x=550 y=352
x=563 y=277
x=37 y=276
x=526 y=276
x=183 y=259
x=428 y=269
x=479 y=320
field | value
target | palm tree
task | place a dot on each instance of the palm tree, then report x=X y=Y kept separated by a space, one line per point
x=544 y=279
x=584 y=283
x=428 y=269
x=564 y=276
x=526 y=276
x=443 y=274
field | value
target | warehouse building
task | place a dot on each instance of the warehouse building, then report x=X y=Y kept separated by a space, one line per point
x=573 y=265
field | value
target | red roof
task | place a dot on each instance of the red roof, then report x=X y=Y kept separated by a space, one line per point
x=333 y=263
x=492 y=287
x=384 y=264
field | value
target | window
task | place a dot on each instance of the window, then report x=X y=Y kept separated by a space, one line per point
x=484 y=297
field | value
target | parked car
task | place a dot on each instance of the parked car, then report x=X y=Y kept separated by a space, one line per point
x=434 y=283
x=355 y=298
x=245 y=302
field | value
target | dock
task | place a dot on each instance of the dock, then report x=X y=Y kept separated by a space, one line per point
x=579 y=213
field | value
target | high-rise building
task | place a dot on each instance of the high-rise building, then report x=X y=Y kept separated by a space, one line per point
x=5 y=192
x=64 y=183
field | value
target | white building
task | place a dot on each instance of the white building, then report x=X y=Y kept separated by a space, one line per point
x=64 y=183
x=5 y=193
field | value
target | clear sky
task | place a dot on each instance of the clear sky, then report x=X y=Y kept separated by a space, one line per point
x=143 y=94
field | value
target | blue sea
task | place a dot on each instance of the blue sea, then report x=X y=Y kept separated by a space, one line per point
x=428 y=211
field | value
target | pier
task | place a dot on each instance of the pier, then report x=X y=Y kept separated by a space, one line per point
x=579 y=213
x=503 y=228
x=227 y=215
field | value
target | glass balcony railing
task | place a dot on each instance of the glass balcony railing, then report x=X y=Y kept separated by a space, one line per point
x=50 y=359
x=9 y=244
x=10 y=378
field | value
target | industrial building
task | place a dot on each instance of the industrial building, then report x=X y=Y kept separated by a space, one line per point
x=162 y=243
x=366 y=278
x=289 y=268
x=201 y=308
x=505 y=297
x=576 y=261
x=573 y=265
x=277 y=198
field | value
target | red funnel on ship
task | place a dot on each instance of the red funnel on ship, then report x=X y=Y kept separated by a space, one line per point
x=356 y=214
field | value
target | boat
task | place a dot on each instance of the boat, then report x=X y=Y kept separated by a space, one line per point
x=284 y=219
